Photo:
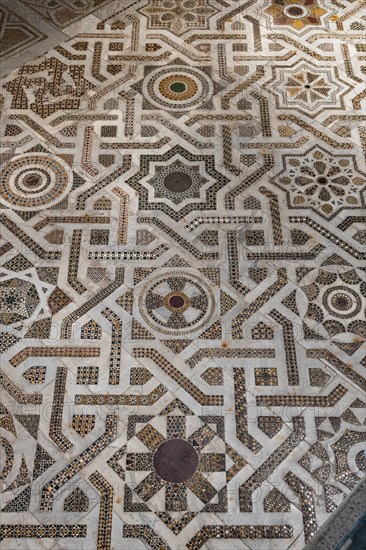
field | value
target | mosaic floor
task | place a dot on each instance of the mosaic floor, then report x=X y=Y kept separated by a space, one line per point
x=183 y=286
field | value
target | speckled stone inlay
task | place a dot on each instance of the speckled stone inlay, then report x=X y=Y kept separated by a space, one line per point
x=182 y=271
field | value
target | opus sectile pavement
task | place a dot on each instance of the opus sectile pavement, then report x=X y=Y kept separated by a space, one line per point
x=182 y=290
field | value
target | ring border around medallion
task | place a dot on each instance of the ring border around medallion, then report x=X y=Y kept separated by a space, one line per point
x=197 y=280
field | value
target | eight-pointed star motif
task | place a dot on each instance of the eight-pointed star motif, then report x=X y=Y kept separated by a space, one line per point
x=178 y=16
x=306 y=87
x=297 y=14
x=179 y=177
x=322 y=181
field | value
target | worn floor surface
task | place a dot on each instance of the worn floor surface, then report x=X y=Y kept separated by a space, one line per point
x=183 y=288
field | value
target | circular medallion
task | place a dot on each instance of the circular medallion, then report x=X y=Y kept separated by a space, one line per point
x=176 y=303
x=342 y=302
x=178 y=182
x=178 y=88
x=295 y=11
x=175 y=460
x=34 y=181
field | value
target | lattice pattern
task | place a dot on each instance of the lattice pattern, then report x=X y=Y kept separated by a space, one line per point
x=182 y=193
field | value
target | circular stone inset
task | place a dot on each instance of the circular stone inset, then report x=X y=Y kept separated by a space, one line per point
x=175 y=460
x=176 y=302
x=178 y=87
x=296 y=11
x=322 y=180
x=32 y=180
x=177 y=182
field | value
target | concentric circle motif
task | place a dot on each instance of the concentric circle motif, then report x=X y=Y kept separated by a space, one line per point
x=176 y=303
x=342 y=302
x=34 y=181
x=178 y=88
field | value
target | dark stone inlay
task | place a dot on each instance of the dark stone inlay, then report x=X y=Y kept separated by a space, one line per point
x=176 y=302
x=322 y=180
x=175 y=460
x=32 y=180
x=296 y=11
x=177 y=182
x=178 y=87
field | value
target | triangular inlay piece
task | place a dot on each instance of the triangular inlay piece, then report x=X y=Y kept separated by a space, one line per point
x=334 y=259
x=23 y=477
x=40 y=329
x=30 y=422
x=270 y=425
x=310 y=334
x=226 y=302
x=318 y=377
x=212 y=273
x=213 y=332
x=275 y=501
x=176 y=404
x=20 y=503
x=42 y=461
x=126 y=301
x=258 y=274
x=290 y=302
x=176 y=346
x=138 y=332
x=176 y=261
x=349 y=347
x=77 y=501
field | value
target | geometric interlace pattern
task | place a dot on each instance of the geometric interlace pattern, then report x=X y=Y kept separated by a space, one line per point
x=183 y=286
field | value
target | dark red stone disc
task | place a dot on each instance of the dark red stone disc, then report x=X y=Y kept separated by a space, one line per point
x=176 y=460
